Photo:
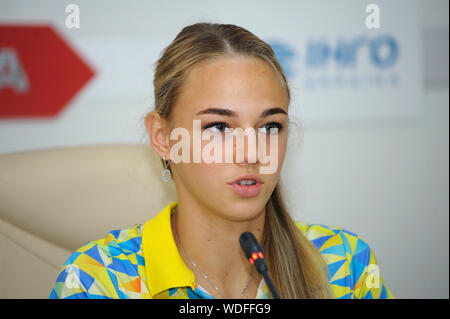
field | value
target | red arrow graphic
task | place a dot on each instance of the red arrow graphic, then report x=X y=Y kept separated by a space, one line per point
x=39 y=72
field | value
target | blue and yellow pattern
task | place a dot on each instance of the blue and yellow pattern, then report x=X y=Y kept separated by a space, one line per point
x=143 y=262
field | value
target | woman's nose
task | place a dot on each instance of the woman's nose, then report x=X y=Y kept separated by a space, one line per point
x=246 y=146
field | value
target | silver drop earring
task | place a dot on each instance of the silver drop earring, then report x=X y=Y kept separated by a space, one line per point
x=166 y=172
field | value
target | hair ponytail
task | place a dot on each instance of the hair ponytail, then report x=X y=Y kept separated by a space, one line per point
x=296 y=266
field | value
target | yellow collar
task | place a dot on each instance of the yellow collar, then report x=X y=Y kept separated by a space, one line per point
x=163 y=264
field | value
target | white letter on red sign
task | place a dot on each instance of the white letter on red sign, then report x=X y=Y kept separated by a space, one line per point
x=11 y=72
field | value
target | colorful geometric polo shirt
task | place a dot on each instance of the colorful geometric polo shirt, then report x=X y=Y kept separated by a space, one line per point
x=143 y=262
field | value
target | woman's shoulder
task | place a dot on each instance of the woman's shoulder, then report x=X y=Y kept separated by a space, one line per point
x=118 y=244
x=317 y=231
x=353 y=269
x=334 y=239
x=119 y=241
x=99 y=267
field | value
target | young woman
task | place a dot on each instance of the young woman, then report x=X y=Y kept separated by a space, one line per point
x=226 y=77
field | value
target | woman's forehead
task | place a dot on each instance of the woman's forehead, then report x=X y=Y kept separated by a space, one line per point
x=232 y=70
x=233 y=84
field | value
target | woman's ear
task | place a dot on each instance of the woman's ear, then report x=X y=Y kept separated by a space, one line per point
x=157 y=130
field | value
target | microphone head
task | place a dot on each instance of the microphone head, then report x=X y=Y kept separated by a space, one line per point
x=253 y=251
x=249 y=244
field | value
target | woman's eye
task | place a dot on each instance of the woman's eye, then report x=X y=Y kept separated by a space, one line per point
x=270 y=127
x=218 y=127
x=221 y=127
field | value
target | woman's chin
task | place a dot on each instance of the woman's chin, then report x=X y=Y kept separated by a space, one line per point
x=241 y=211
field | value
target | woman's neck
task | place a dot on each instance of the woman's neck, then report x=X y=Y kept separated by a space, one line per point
x=212 y=242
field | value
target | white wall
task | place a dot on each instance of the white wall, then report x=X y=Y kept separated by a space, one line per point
x=390 y=185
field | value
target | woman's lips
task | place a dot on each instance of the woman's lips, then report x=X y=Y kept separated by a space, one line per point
x=247 y=190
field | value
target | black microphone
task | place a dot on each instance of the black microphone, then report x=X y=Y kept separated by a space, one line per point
x=255 y=255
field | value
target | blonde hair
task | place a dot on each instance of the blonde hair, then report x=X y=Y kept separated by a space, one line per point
x=296 y=266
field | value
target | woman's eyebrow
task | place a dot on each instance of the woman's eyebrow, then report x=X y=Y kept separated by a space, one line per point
x=273 y=110
x=230 y=113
